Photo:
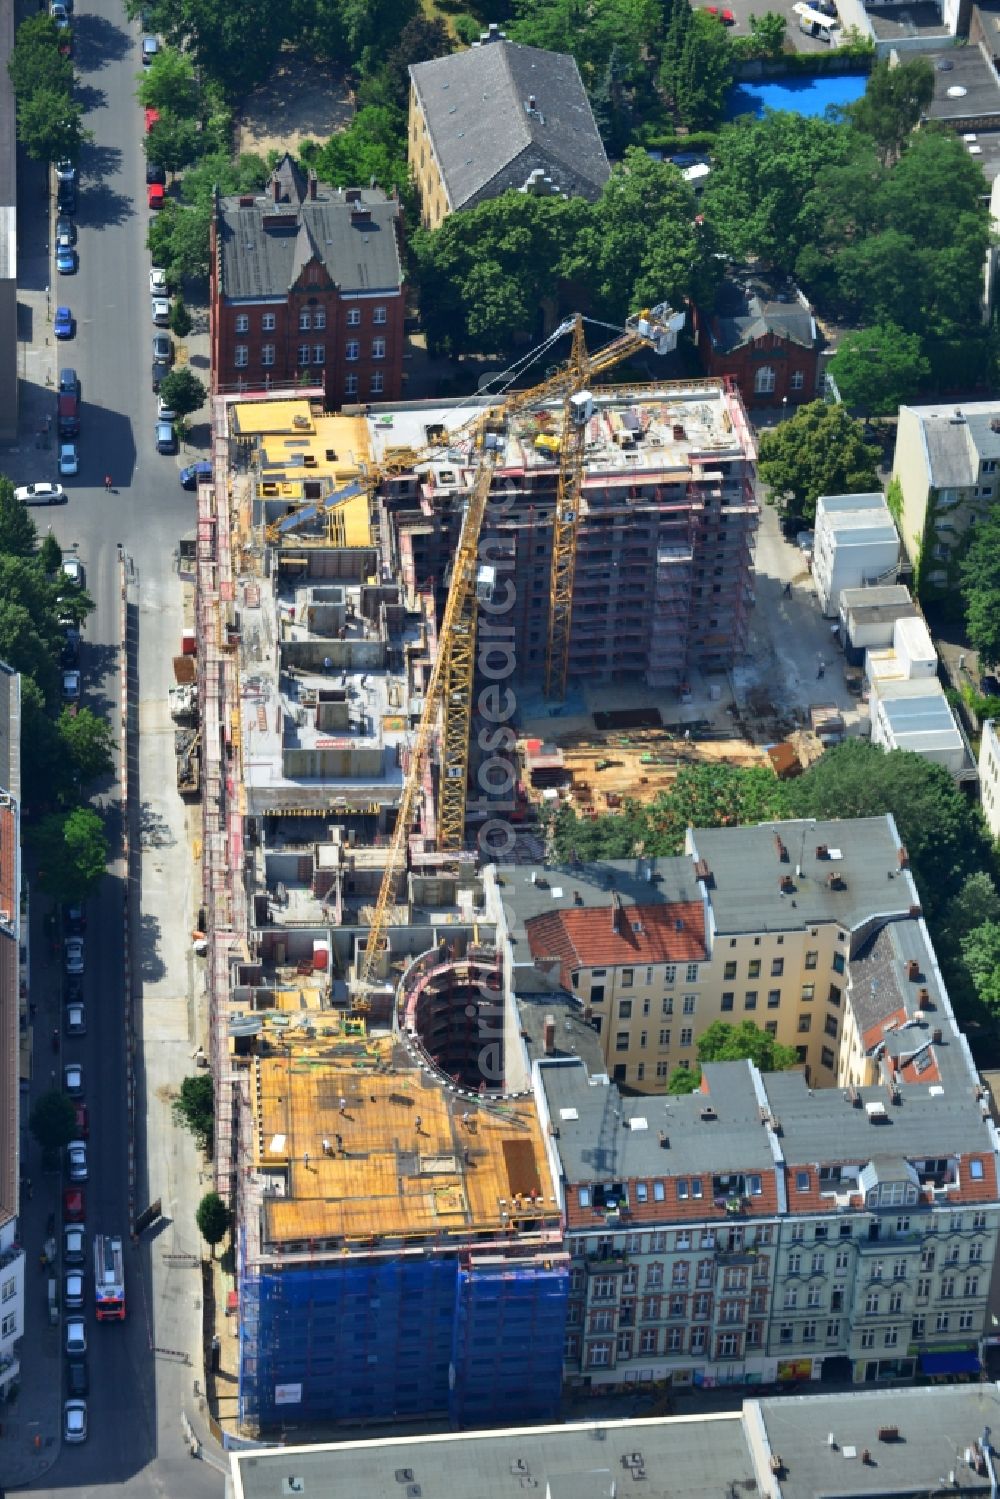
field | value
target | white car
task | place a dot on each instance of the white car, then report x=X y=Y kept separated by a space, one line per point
x=73 y=570
x=157 y=281
x=73 y=1289
x=75 y=1421
x=76 y=1160
x=76 y=1019
x=69 y=459
x=40 y=494
x=76 y=1335
x=71 y=686
x=73 y=1079
x=165 y=413
x=74 y=1244
x=74 y=955
x=161 y=311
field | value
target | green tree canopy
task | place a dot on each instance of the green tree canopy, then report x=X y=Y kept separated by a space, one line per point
x=820 y=450
x=173 y=141
x=50 y=125
x=213 y=1219
x=590 y=29
x=373 y=145
x=980 y=574
x=879 y=369
x=169 y=83
x=981 y=951
x=53 y=1120
x=723 y=1042
x=700 y=76
x=18 y=534
x=35 y=63
x=88 y=745
x=892 y=104
x=183 y=392
x=642 y=245
x=72 y=852
x=180 y=319
x=194 y=1107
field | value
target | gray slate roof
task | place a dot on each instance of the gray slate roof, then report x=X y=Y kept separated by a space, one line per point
x=263 y=255
x=746 y=310
x=487 y=140
x=957 y=439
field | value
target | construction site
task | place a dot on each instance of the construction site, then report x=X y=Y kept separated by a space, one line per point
x=398 y=1241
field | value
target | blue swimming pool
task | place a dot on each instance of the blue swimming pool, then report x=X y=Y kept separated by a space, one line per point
x=810 y=95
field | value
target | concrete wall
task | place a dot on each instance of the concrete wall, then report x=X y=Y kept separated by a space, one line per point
x=909 y=466
x=989 y=776
x=345 y=655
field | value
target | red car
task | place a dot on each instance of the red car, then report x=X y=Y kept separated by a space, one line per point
x=725 y=16
x=151 y=116
x=82 y=1121
x=73 y=1205
x=154 y=195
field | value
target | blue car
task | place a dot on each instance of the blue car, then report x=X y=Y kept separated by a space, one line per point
x=191 y=477
x=63 y=325
x=66 y=259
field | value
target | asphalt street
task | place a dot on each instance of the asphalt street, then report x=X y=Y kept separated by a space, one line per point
x=136 y=1395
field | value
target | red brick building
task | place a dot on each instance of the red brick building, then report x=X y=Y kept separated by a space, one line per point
x=307 y=283
x=764 y=337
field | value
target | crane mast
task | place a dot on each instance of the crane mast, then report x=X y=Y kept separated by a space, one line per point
x=451 y=683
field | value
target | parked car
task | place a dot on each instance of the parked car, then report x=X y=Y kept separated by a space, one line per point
x=76 y=1019
x=74 y=1205
x=69 y=459
x=77 y=1381
x=76 y=1335
x=65 y=228
x=75 y=1416
x=150 y=47
x=68 y=415
x=66 y=197
x=166 y=437
x=40 y=494
x=155 y=173
x=76 y=1160
x=73 y=989
x=164 y=412
x=70 y=653
x=82 y=1121
x=74 y=1243
x=73 y=1079
x=163 y=348
x=71 y=690
x=65 y=170
x=150 y=117
x=73 y=947
x=196 y=473
x=66 y=261
x=155 y=194
x=73 y=571
x=74 y=920
x=73 y=1289
x=161 y=311
x=63 y=325
x=161 y=370
x=157 y=281
x=69 y=382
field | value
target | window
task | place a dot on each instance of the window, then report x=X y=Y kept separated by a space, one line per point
x=687 y=1035
x=896 y=1302
x=890 y=1337
x=676 y=1306
x=971 y=1285
x=947 y=1287
x=268 y=322
x=691 y=975
x=649 y=1340
x=924 y=1288
x=871 y=1304
x=975 y=1254
x=267 y=354
x=899 y=1269
x=730 y=972
x=682 y=1188
x=601 y=1321
x=378 y=348
x=242 y=322
x=750 y=999
x=729 y=1345
x=377 y=384
x=791 y=1298
x=598 y=1355
x=378 y=315
x=976 y=1170
x=773 y=998
x=763 y=381
x=841 y=1259
x=654 y=1275
x=696 y=1186
x=868 y=1338
x=303 y=354
x=319 y=354
x=827 y=1058
x=941 y=1322
x=668 y=1007
x=664 y=1038
x=350 y=385
x=689 y=1003
x=777 y=967
x=624 y=1009
x=9 y=1289
x=626 y=978
x=353 y=317
x=728 y=997
x=771 y=1027
x=809 y=1332
x=753 y=968
x=805 y=1024
x=785 y=1332
x=624 y=1345
x=241 y=356
x=305 y=320
x=830 y=1025
x=833 y=1331
x=352 y=349
x=808 y=991
x=8 y=1325
x=965 y=1321
x=812 y=959
x=818 y=1266
x=670 y=973
x=798 y=380
x=571 y=1347
x=621 y=1041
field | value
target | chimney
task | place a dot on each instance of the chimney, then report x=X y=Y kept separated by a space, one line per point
x=903 y=857
x=531 y=102
x=912 y=970
x=275 y=189
x=782 y=851
x=616 y=911
x=313 y=184
x=786 y=883
x=549 y=1036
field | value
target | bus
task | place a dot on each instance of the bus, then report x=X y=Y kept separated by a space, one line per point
x=109 y=1278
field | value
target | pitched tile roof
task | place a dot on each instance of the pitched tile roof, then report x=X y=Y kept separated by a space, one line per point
x=619 y=935
x=266 y=241
x=746 y=310
x=477 y=107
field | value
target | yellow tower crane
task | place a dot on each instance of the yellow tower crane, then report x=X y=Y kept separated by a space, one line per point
x=452 y=680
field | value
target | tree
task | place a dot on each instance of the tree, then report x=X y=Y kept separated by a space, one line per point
x=194 y=1107
x=236 y=45
x=373 y=145
x=87 y=743
x=590 y=30
x=820 y=450
x=767 y=35
x=72 y=852
x=172 y=142
x=643 y=242
x=50 y=125
x=723 y=1042
x=179 y=239
x=169 y=83
x=421 y=39
x=180 y=318
x=18 y=534
x=879 y=369
x=892 y=104
x=684 y=1080
x=35 y=62
x=945 y=836
x=53 y=1121
x=183 y=392
x=981 y=951
x=980 y=575
x=703 y=72
x=213 y=1218
x=50 y=555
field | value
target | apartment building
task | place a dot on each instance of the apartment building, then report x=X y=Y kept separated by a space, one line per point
x=664 y=568
x=306 y=285
x=946 y=461
x=499 y=117
x=989 y=776
x=856 y=543
x=13 y=1023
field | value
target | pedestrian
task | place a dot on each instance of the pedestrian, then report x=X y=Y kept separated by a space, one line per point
x=788 y=590
x=107 y=482
x=821 y=670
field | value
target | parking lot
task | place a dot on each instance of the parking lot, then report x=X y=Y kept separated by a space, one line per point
x=743 y=9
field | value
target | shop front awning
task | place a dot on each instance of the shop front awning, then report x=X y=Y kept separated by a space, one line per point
x=956 y=1361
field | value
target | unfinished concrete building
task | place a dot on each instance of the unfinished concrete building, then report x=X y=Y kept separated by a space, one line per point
x=664 y=569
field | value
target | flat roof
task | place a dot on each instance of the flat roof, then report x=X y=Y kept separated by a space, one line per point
x=962 y=68
x=682 y=1457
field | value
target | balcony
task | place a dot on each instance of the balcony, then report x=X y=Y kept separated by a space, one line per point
x=736 y=1256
